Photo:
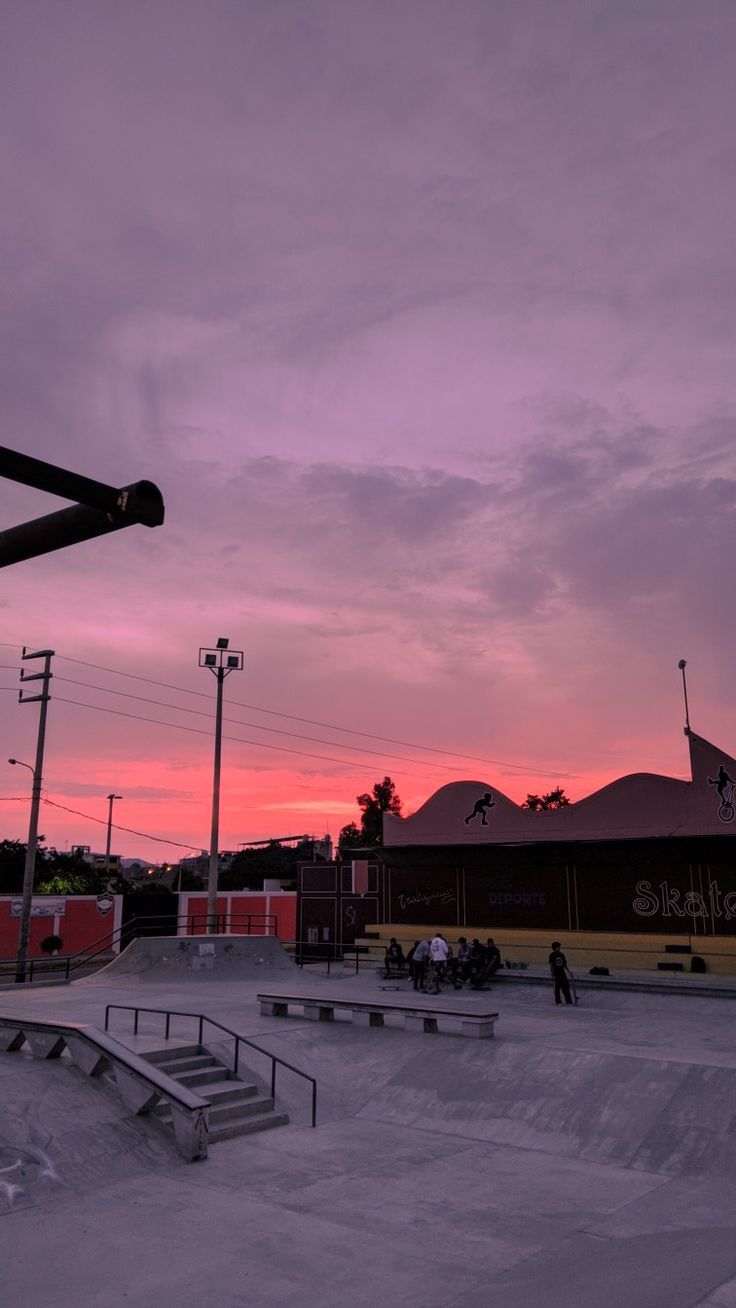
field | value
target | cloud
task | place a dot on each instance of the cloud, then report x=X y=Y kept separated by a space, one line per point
x=422 y=320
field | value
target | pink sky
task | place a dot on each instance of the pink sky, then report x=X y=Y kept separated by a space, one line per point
x=422 y=318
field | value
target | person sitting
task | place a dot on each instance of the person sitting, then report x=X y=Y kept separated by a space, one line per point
x=476 y=960
x=490 y=965
x=461 y=961
x=394 y=957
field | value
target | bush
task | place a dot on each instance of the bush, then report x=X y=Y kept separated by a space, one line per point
x=52 y=944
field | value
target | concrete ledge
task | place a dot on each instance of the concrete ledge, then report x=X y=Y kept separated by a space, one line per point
x=367 y=1013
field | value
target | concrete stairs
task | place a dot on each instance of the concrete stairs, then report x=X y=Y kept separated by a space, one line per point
x=237 y=1106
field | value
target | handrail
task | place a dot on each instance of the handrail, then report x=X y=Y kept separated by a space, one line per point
x=301 y=959
x=168 y=1013
x=189 y=1109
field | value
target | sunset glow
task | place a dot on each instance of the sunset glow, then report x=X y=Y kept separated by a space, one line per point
x=421 y=318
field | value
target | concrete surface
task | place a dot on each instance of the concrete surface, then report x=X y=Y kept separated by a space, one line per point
x=195 y=958
x=584 y=1157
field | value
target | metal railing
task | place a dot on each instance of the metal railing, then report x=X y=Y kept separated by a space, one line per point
x=305 y=953
x=239 y=1040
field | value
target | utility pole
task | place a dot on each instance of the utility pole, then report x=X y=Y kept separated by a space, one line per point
x=221 y=663
x=111 y=801
x=30 y=864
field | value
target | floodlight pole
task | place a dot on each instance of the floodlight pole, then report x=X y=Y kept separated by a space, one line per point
x=221 y=663
x=30 y=863
x=215 y=829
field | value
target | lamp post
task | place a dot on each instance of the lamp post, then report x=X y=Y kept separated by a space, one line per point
x=221 y=663
x=111 y=800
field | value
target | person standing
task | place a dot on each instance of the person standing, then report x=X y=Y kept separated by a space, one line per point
x=559 y=969
x=439 y=953
x=419 y=960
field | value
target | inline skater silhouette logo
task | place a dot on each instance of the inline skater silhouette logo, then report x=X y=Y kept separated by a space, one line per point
x=726 y=787
x=480 y=808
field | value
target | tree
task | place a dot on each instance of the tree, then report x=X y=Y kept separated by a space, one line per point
x=56 y=873
x=250 y=867
x=12 y=863
x=67 y=874
x=350 y=836
x=382 y=799
x=542 y=803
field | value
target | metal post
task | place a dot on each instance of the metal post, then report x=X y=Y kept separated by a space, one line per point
x=30 y=863
x=215 y=830
x=221 y=663
x=111 y=800
x=682 y=665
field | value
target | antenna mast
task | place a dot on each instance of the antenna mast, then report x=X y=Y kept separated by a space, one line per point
x=682 y=665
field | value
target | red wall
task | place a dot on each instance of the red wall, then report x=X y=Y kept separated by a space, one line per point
x=244 y=912
x=78 y=921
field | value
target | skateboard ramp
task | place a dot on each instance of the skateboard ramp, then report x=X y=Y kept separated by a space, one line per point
x=196 y=958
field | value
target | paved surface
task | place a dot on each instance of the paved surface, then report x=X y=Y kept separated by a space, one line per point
x=584 y=1156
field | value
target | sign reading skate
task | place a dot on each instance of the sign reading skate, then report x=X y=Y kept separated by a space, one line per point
x=663 y=900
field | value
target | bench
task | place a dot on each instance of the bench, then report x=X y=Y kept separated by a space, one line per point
x=372 y=1012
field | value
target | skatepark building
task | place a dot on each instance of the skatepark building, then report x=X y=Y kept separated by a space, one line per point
x=647 y=857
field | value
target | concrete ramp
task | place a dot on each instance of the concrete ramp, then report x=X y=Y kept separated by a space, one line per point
x=196 y=958
x=649 y=1114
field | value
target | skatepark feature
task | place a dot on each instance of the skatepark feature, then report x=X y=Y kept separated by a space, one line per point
x=195 y=958
x=585 y=1155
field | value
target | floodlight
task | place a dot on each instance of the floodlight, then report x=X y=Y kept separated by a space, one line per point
x=210 y=660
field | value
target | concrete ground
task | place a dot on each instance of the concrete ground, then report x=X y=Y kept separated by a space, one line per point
x=583 y=1156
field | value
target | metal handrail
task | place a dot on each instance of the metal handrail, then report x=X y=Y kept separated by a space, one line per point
x=168 y=1013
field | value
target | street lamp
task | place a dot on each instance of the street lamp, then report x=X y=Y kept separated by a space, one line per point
x=221 y=663
x=111 y=800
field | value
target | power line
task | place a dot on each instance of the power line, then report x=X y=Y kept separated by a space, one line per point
x=328 y=726
x=179 y=708
x=291 y=717
x=162 y=840
x=200 y=731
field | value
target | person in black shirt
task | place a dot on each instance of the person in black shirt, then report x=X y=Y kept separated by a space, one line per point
x=394 y=957
x=476 y=961
x=490 y=964
x=558 y=968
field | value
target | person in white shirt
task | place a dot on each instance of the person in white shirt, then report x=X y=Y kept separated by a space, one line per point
x=439 y=953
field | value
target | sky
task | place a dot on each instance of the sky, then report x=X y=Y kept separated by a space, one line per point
x=421 y=315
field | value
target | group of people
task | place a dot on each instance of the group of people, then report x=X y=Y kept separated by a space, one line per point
x=432 y=962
